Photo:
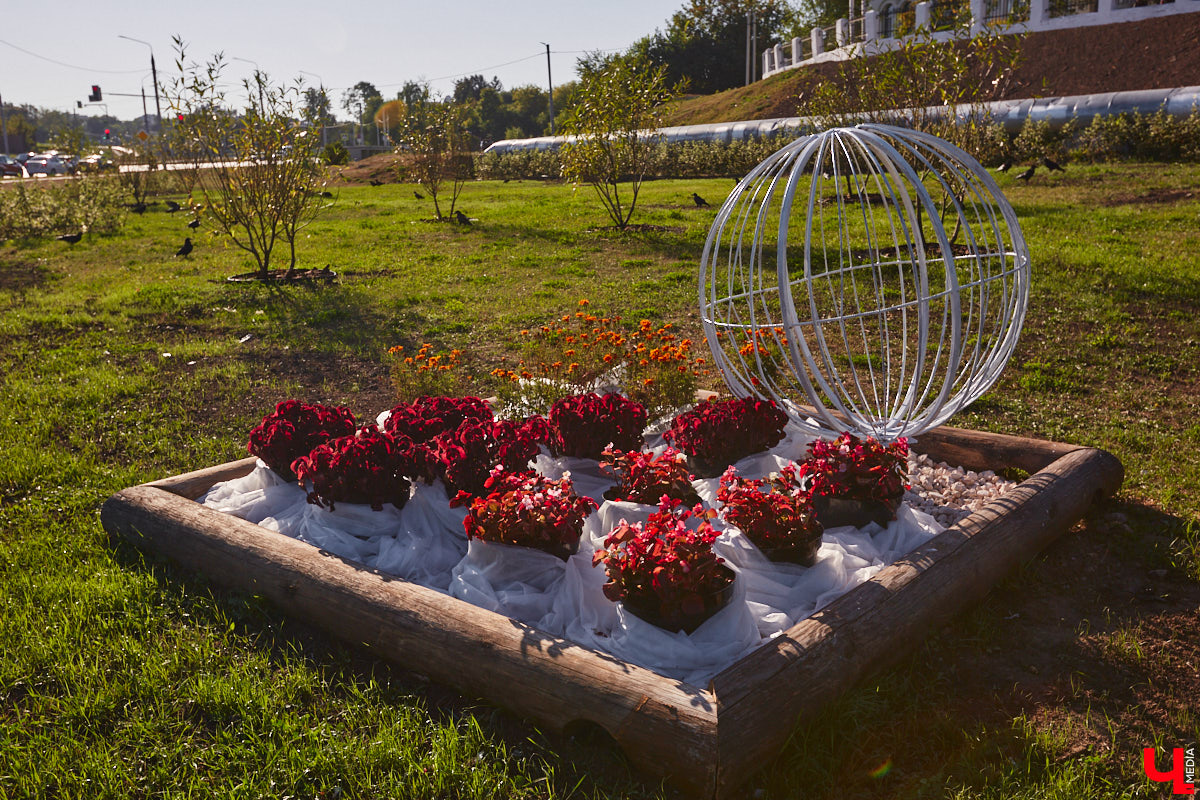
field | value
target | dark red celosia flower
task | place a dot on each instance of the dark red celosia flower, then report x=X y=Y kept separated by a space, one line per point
x=584 y=425
x=468 y=454
x=725 y=431
x=427 y=417
x=367 y=467
x=527 y=509
x=857 y=469
x=293 y=429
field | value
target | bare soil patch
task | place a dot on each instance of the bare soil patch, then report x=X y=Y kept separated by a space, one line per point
x=1158 y=196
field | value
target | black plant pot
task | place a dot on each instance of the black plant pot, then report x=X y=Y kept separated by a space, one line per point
x=562 y=550
x=804 y=554
x=837 y=512
x=704 y=468
x=648 y=609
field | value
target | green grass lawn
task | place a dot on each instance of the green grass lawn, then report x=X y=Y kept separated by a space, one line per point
x=122 y=676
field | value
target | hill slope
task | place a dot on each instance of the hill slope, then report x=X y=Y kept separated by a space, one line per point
x=1150 y=54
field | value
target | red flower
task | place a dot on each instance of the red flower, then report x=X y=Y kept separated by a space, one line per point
x=724 y=431
x=526 y=509
x=583 y=425
x=294 y=429
x=857 y=469
x=367 y=467
x=664 y=560
x=646 y=478
x=782 y=518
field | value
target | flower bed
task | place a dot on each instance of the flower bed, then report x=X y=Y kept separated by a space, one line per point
x=455 y=447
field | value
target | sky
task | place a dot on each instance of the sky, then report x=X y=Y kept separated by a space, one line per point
x=71 y=44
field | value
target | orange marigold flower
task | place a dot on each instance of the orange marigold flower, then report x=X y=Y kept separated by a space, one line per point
x=408 y=361
x=643 y=362
x=526 y=374
x=574 y=365
x=608 y=357
x=568 y=352
x=525 y=332
x=647 y=381
x=556 y=364
x=583 y=302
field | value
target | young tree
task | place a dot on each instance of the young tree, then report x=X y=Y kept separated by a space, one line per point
x=436 y=142
x=257 y=171
x=618 y=109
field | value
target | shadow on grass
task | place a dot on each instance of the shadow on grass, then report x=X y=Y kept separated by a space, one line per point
x=578 y=762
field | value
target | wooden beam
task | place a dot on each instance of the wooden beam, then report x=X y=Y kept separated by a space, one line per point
x=798 y=673
x=664 y=726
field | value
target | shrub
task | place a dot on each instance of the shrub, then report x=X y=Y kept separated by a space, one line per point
x=335 y=153
x=90 y=204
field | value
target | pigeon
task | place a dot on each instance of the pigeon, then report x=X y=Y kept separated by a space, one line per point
x=699 y=201
x=195 y=223
x=172 y=206
x=462 y=218
x=418 y=195
x=70 y=238
x=1051 y=165
x=375 y=182
x=1005 y=167
x=326 y=194
x=185 y=249
x=1027 y=174
x=138 y=208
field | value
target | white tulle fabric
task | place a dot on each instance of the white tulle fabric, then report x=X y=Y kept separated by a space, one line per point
x=425 y=543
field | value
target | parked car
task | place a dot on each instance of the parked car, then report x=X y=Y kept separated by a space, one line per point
x=97 y=162
x=46 y=165
x=10 y=166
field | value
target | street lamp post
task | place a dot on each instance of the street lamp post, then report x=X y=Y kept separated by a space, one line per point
x=257 y=79
x=154 y=75
x=321 y=83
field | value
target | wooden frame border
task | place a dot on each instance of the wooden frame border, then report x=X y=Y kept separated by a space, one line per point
x=706 y=740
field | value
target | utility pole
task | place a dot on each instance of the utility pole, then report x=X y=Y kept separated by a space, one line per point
x=153 y=74
x=550 y=81
x=3 y=126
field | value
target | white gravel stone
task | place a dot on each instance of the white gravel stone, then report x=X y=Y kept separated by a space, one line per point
x=950 y=493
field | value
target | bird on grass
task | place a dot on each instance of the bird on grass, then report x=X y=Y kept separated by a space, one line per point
x=138 y=208
x=172 y=206
x=699 y=201
x=418 y=195
x=375 y=182
x=70 y=238
x=1051 y=165
x=185 y=248
x=326 y=194
x=1005 y=167
x=461 y=218
x=1027 y=174
x=195 y=223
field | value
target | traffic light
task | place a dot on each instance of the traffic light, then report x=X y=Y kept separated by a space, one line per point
x=179 y=116
x=94 y=97
x=79 y=104
x=106 y=134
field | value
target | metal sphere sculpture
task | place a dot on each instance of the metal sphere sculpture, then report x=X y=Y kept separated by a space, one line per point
x=871 y=279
